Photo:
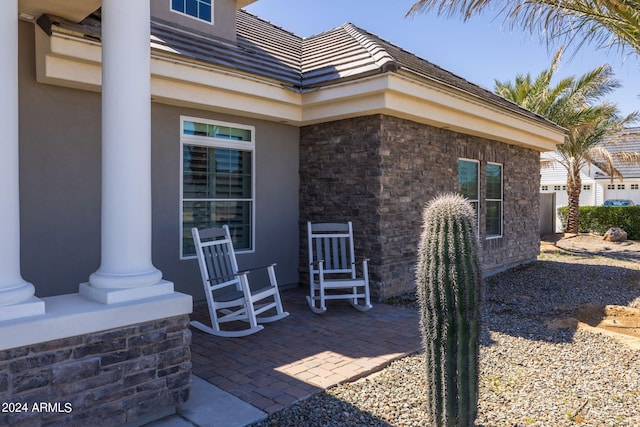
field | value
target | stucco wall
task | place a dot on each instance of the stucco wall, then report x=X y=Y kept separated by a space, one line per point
x=379 y=171
x=224 y=18
x=60 y=175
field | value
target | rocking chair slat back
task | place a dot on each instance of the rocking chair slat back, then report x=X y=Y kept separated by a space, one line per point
x=219 y=259
x=333 y=251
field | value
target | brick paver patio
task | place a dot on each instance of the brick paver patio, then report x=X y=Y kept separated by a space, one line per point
x=304 y=353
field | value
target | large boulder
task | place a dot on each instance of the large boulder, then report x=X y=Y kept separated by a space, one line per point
x=615 y=234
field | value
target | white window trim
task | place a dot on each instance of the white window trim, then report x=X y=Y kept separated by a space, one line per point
x=207 y=141
x=191 y=16
x=501 y=200
x=477 y=162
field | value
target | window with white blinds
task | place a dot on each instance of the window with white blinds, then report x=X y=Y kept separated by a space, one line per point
x=217 y=180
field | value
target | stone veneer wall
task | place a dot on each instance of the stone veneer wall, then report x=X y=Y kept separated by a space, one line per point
x=109 y=378
x=379 y=171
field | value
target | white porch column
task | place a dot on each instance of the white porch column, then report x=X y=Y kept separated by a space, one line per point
x=126 y=272
x=16 y=295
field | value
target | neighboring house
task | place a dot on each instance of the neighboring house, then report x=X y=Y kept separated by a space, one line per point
x=597 y=186
x=241 y=123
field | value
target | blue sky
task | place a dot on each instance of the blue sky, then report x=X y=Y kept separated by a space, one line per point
x=480 y=50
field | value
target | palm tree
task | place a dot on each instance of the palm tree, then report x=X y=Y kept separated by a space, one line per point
x=608 y=23
x=574 y=103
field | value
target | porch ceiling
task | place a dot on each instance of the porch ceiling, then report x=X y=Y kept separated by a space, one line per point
x=244 y=3
x=72 y=10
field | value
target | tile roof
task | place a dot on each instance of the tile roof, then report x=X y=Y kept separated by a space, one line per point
x=268 y=51
x=628 y=140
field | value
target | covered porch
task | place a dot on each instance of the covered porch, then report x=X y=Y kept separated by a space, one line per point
x=126 y=329
x=304 y=353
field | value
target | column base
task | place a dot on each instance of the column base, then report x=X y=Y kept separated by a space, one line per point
x=32 y=307
x=119 y=295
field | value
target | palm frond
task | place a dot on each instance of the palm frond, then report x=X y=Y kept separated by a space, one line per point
x=547 y=163
x=607 y=23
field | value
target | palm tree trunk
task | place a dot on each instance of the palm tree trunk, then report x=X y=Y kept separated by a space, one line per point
x=574 y=186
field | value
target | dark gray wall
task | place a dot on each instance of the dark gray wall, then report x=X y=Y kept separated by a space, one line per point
x=380 y=171
x=59 y=179
x=60 y=173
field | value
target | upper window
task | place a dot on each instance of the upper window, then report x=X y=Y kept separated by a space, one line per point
x=494 y=200
x=620 y=186
x=586 y=187
x=217 y=180
x=469 y=182
x=199 y=9
x=635 y=187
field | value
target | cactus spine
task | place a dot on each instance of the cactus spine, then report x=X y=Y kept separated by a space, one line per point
x=448 y=284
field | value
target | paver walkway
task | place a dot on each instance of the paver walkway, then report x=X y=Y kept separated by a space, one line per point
x=305 y=353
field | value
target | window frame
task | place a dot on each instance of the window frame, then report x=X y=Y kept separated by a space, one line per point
x=212 y=142
x=500 y=200
x=197 y=18
x=477 y=201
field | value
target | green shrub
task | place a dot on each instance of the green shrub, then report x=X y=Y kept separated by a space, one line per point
x=598 y=219
x=449 y=279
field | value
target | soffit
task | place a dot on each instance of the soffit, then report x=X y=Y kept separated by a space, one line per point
x=244 y=3
x=72 y=10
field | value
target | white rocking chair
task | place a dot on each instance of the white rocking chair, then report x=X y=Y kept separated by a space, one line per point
x=332 y=267
x=227 y=290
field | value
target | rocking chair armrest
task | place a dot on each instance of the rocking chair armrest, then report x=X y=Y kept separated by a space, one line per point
x=249 y=270
x=318 y=261
x=240 y=273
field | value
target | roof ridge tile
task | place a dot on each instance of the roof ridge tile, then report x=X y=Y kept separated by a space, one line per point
x=380 y=55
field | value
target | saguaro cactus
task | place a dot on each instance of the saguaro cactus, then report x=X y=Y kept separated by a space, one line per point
x=449 y=283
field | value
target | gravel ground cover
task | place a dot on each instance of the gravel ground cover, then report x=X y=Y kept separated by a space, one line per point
x=531 y=375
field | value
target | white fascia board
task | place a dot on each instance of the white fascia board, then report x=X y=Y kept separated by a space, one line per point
x=200 y=87
x=73 y=62
x=69 y=62
x=470 y=115
x=435 y=106
x=344 y=100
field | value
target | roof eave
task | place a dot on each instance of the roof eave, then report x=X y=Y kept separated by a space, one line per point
x=429 y=103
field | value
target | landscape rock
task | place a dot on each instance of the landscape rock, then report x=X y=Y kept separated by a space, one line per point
x=615 y=234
